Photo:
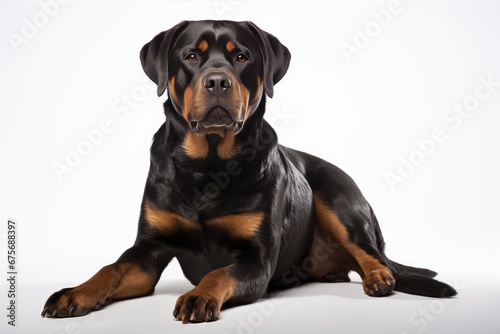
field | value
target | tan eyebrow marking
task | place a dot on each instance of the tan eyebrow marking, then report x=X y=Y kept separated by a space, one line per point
x=203 y=46
x=230 y=46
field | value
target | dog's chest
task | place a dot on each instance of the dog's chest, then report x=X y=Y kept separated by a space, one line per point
x=206 y=251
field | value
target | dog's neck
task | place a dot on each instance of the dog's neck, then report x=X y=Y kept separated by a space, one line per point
x=191 y=177
x=256 y=142
x=220 y=147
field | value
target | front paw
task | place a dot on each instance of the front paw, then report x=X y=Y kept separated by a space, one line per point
x=71 y=302
x=197 y=306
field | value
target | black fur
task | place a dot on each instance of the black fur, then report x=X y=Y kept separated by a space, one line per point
x=261 y=177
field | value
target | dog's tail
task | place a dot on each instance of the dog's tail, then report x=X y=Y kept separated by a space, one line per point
x=415 y=281
x=419 y=281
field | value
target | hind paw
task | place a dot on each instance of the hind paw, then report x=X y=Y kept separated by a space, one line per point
x=378 y=283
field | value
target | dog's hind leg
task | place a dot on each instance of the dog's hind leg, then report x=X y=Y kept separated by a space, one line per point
x=357 y=245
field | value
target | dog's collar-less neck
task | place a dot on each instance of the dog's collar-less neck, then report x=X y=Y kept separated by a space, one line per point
x=178 y=132
x=189 y=177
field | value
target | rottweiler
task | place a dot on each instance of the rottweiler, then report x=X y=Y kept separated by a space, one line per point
x=242 y=214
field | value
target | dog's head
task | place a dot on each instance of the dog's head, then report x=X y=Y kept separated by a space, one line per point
x=216 y=72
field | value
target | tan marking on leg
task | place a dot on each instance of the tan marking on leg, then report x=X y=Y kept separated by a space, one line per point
x=327 y=256
x=165 y=221
x=116 y=281
x=241 y=225
x=113 y=282
x=377 y=278
x=330 y=222
x=204 y=302
x=135 y=282
x=219 y=283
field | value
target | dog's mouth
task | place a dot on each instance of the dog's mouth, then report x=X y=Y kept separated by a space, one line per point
x=215 y=120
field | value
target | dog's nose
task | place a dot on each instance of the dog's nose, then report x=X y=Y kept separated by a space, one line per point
x=217 y=83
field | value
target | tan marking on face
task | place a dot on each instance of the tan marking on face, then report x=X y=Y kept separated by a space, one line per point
x=171 y=88
x=258 y=94
x=245 y=101
x=203 y=46
x=188 y=102
x=241 y=225
x=230 y=46
x=227 y=148
x=165 y=221
x=240 y=97
x=195 y=145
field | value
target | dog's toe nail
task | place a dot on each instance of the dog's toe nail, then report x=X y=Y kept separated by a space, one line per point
x=384 y=289
x=176 y=311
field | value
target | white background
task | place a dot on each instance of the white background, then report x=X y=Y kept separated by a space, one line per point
x=364 y=114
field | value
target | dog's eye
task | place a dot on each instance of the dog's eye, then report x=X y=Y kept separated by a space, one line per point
x=241 y=58
x=191 y=58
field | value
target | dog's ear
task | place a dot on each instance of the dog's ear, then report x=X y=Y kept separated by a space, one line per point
x=154 y=56
x=275 y=58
